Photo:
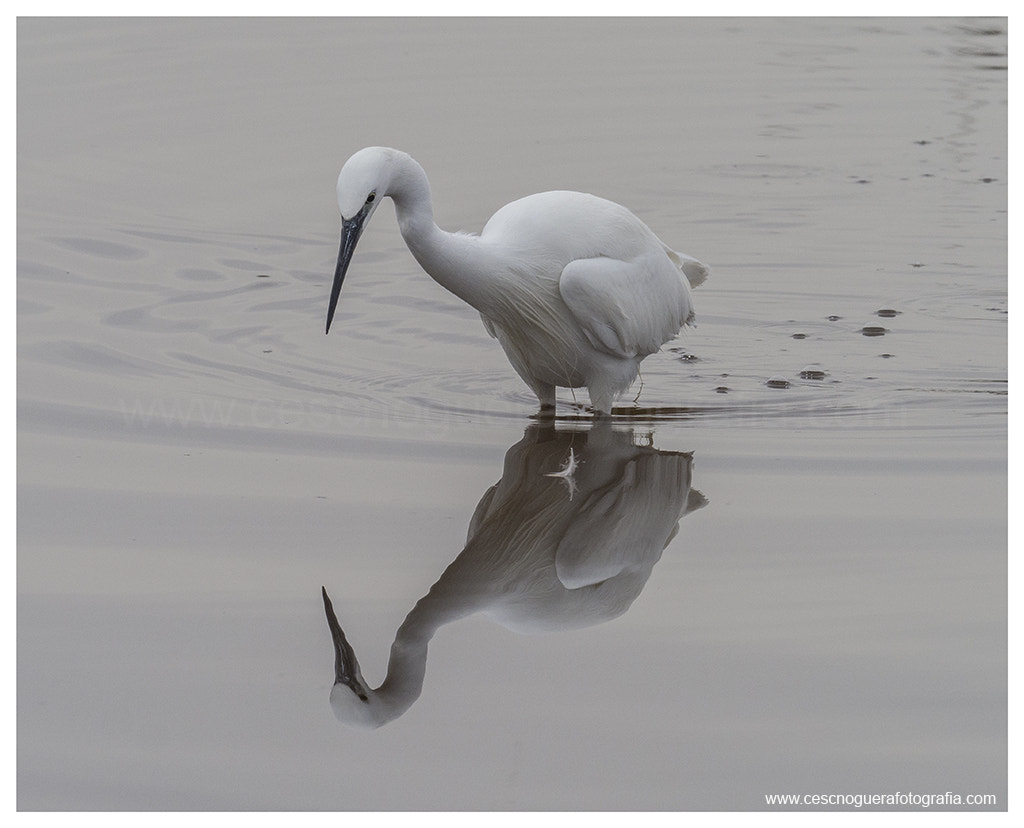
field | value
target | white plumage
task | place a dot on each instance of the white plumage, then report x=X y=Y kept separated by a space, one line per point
x=576 y=288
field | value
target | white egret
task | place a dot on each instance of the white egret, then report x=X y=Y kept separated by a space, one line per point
x=536 y=559
x=576 y=288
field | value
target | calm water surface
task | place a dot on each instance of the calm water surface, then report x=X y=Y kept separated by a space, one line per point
x=781 y=570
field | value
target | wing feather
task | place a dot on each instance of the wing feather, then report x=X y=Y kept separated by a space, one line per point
x=628 y=309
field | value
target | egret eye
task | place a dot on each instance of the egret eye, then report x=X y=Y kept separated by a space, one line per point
x=370 y=198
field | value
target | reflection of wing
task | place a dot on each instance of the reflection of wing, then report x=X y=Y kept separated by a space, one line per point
x=627 y=524
x=627 y=308
x=483 y=508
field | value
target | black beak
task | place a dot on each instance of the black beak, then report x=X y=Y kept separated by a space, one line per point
x=351 y=230
x=346 y=668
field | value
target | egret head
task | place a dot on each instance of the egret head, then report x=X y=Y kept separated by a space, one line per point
x=364 y=181
x=352 y=701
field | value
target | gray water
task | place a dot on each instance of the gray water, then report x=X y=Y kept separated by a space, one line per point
x=196 y=458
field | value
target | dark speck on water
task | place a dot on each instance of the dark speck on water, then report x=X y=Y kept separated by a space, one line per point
x=777 y=382
x=887 y=312
x=874 y=330
x=683 y=355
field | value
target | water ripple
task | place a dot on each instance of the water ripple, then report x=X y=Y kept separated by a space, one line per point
x=248 y=326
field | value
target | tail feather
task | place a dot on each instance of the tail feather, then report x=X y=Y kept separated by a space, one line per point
x=696 y=272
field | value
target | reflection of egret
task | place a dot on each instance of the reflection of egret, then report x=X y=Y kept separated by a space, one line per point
x=576 y=289
x=537 y=559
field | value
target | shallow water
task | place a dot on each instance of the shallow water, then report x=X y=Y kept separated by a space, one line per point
x=196 y=459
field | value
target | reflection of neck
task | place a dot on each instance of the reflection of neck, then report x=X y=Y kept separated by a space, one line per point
x=407 y=664
x=403 y=684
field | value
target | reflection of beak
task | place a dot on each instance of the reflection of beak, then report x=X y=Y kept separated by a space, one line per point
x=346 y=668
x=351 y=230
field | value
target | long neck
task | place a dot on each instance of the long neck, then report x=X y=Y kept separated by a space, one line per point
x=453 y=597
x=456 y=261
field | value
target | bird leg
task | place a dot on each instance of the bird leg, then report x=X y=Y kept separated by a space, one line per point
x=640 y=390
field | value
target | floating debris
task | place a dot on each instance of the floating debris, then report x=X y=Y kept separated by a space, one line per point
x=799 y=336
x=569 y=469
x=917 y=264
x=874 y=330
x=887 y=356
x=722 y=389
x=683 y=355
x=567 y=472
x=887 y=312
x=777 y=382
x=813 y=372
x=262 y=275
x=833 y=318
